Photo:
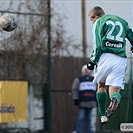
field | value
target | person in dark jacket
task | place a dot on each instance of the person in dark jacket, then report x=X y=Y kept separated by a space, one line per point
x=84 y=96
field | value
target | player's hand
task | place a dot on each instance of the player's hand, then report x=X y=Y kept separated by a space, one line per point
x=76 y=102
x=90 y=65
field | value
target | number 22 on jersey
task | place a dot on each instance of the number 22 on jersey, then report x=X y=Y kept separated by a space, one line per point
x=118 y=36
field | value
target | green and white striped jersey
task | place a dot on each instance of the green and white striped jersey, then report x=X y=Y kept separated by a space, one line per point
x=109 y=36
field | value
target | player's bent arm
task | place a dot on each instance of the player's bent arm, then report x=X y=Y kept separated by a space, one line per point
x=96 y=53
x=130 y=36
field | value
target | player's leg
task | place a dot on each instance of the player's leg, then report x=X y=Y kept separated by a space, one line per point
x=115 y=100
x=101 y=96
x=115 y=81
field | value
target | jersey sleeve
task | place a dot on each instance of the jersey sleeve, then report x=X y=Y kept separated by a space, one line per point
x=96 y=53
x=130 y=35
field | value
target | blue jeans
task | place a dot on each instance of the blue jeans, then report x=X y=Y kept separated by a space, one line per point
x=84 y=113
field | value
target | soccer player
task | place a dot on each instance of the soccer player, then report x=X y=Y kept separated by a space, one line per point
x=108 y=58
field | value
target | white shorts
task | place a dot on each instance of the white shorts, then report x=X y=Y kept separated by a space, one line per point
x=111 y=70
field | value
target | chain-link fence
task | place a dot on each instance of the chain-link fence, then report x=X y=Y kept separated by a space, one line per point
x=23 y=56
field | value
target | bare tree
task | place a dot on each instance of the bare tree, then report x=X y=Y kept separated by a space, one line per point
x=31 y=33
x=30 y=37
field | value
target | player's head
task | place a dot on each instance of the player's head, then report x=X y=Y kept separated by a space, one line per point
x=85 y=70
x=95 y=13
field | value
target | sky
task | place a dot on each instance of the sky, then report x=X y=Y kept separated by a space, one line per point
x=71 y=9
x=73 y=22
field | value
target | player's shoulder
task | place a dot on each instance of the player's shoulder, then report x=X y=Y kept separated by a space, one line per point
x=113 y=17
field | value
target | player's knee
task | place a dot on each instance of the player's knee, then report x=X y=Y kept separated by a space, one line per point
x=101 y=87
